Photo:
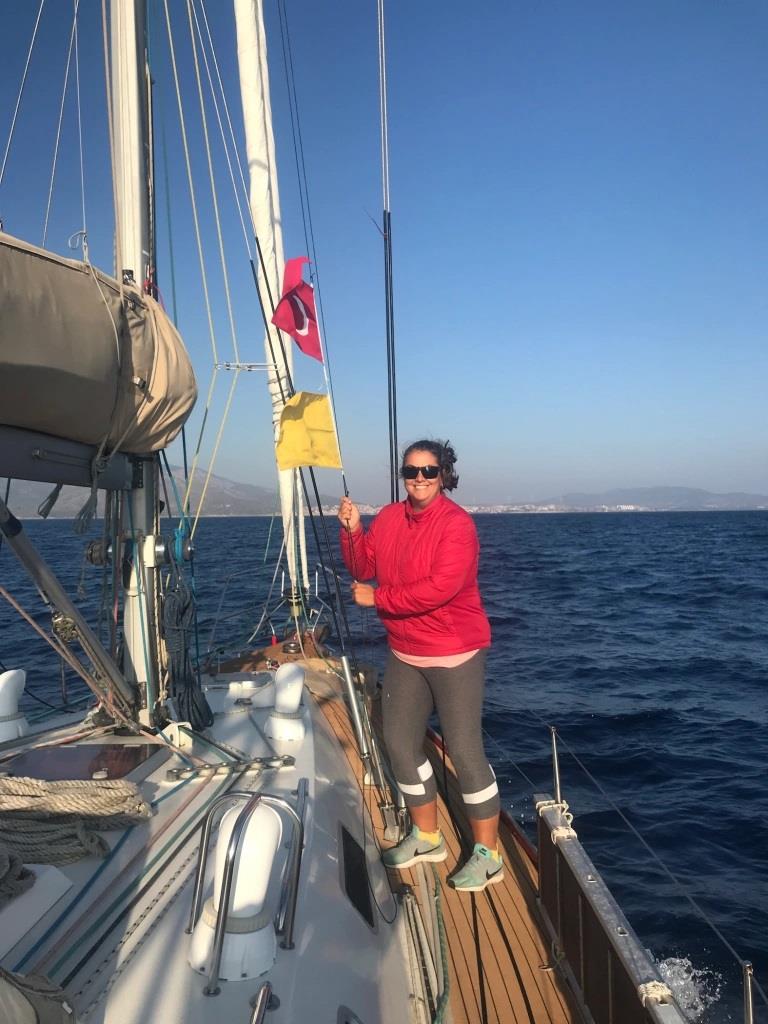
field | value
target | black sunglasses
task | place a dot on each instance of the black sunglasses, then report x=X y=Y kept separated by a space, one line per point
x=428 y=472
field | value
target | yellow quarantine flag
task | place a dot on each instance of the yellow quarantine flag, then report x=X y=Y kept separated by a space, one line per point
x=307 y=437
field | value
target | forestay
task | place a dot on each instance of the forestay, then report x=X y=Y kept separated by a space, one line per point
x=264 y=201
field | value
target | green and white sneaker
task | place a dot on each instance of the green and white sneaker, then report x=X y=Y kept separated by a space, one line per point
x=482 y=869
x=414 y=848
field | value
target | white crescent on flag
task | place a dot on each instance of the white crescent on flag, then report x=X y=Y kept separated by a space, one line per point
x=302 y=319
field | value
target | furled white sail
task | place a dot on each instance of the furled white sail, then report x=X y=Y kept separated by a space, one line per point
x=84 y=359
x=265 y=212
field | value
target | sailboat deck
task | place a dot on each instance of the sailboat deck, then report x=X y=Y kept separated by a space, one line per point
x=501 y=969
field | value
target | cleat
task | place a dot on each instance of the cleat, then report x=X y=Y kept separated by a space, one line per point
x=412 y=849
x=482 y=869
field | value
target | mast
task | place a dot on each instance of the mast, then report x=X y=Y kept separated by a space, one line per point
x=130 y=117
x=264 y=201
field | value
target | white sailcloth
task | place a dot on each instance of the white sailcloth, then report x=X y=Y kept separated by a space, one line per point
x=264 y=201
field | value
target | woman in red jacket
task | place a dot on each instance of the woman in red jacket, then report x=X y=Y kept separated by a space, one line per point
x=423 y=554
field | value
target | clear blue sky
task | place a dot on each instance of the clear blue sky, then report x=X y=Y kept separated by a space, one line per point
x=580 y=211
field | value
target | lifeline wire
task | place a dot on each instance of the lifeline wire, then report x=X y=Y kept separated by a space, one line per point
x=654 y=856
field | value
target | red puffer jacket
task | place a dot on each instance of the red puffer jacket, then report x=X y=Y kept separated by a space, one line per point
x=425 y=564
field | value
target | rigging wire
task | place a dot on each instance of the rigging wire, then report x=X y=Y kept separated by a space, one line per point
x=309 y=234
x=649 y=849
x=212 y=183
x=54 y=163
x=21 y=92
x=222 y=95
x=700 y=912
x=191 y=186
x=204 y=277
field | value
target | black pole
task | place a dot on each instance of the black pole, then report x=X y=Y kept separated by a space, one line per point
x=391 y=374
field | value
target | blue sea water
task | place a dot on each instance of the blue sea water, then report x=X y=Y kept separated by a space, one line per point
x=642 y=637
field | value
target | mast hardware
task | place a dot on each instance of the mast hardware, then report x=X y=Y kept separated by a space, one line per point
x=233 y=858
x=29 y=455
x=64 y=627
x=249 y=367
x=99 y=553
x=228 y=767
x=297 y=599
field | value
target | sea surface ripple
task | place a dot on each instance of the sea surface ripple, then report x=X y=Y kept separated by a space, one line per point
x=643 y=637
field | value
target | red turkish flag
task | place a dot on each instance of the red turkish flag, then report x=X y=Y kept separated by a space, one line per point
x=295 y=313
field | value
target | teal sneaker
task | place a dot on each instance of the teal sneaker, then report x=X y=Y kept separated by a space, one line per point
x=412 y=849
x=481 y=869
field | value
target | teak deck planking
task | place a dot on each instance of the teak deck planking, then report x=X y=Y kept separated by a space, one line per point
x=501 y=969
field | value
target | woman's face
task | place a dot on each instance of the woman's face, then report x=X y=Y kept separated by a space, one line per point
x=421 y=492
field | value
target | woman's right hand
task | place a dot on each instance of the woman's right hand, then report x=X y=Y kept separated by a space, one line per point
x=349 y=515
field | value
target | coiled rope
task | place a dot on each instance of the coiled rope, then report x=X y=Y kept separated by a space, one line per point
x=178 y=627
x=14 y=877
x=53 y=822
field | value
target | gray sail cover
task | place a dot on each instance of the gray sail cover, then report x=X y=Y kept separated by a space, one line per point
x=81 y=362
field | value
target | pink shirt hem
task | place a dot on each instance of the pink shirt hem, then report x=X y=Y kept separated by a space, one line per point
x=434 y=660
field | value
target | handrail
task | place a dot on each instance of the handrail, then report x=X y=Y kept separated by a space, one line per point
x=301 y=801
x=368 y=748
x=261 y=1004
x=233 y=850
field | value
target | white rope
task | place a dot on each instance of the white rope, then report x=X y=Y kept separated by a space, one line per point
x=52 y=822
x=80 y=127
x=21 y=92
x=55 y=161
x=196 y=457
x=219 y=435
x=562 y=806
x=235 y=190
x=235 y=148
x=191 y=184
x=88 y=798
x=265 y=611
x=212 y=182
x=562 y=832
x=654 y=992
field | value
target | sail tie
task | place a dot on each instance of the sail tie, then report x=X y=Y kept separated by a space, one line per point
x=654 y=992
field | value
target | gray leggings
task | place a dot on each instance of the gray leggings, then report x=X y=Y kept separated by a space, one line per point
x=409 y=697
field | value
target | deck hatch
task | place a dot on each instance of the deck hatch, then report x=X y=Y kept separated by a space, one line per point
x=355 y=873
x=55 y=764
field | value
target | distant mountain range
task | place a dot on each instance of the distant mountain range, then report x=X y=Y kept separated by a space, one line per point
x=223 y=498
x=229 y=498
x=689 y=499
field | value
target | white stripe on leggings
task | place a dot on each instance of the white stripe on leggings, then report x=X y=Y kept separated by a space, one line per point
x=418 y=790
x=425 y=771
x=482 y=795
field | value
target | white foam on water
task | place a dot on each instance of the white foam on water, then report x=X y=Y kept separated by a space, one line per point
x=695 y=989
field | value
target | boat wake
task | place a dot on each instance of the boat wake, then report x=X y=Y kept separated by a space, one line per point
x=694 y=988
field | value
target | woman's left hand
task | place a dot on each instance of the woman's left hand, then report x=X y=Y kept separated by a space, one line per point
x=362 y=594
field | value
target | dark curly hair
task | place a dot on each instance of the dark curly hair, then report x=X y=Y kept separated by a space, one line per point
x=444 y=455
